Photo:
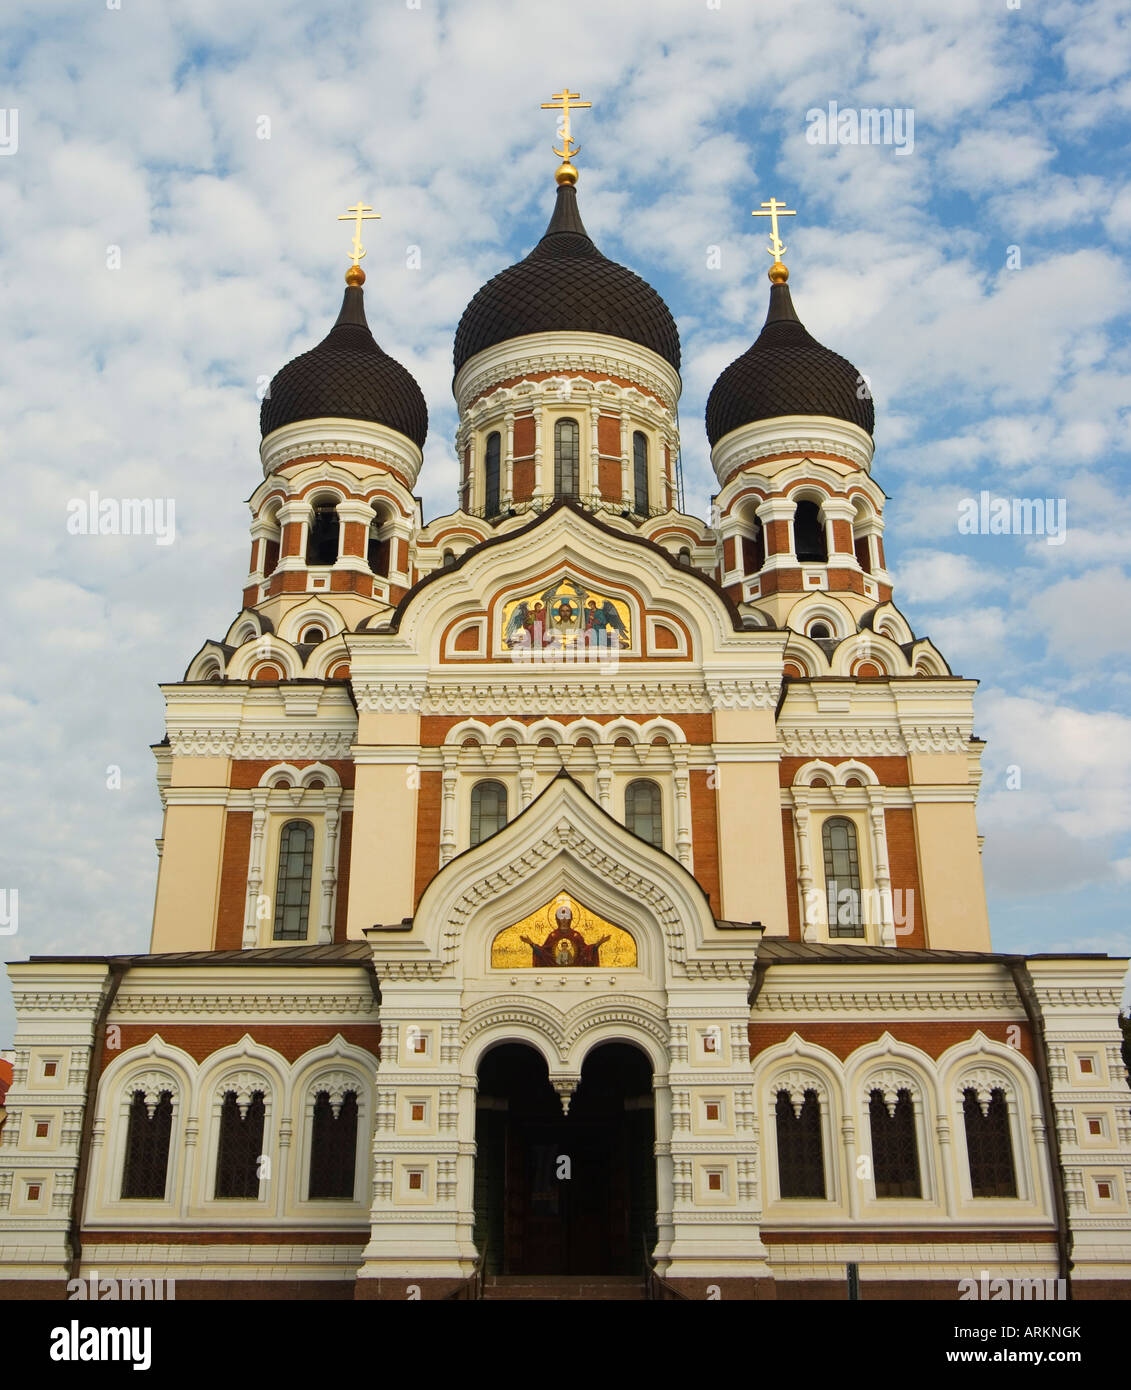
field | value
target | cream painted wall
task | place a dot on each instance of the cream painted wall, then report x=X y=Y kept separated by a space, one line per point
x=950 y=876
x=184 y=918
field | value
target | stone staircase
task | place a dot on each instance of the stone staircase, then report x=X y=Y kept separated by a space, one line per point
x=556 y=1287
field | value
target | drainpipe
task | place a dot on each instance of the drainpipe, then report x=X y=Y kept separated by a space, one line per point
x=118 y=969
x=1027 y=993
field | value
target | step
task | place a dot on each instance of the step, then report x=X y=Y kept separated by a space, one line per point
x=557 y=1287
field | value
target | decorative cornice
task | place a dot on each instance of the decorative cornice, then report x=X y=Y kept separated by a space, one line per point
x=342 y=438
x=752 y=693
x=791 y=434
x=567 y=696
x=566 y=352
x=941 y=1004
x=388 y=696
x=307 y=742
x=172 y=1005
x=810 y=740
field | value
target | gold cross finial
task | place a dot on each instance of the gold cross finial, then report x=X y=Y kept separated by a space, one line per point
x=359 y=213
x=773 y=210
x=563 y=101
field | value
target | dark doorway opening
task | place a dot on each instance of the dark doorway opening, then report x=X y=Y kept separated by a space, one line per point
x=565 y=1194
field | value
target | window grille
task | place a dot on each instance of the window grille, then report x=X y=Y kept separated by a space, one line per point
x=488 y=810
x=895 y=1148
x=801 y=1166
x=333 y=1147
x=989 y=1146
x=292 y=887
x=642 y=811
x=241 y=1145
x=147 y=1147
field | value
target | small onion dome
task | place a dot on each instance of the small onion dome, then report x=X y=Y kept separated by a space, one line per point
x=347 y=376
x=787 y=372
x=564 y=285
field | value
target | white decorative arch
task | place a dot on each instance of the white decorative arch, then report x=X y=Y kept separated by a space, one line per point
x=266 y=648
x=290 y=629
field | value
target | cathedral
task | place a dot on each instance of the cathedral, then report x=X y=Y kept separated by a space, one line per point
x=568 y=896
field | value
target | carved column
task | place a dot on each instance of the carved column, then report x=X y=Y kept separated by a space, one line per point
x=331 y=826
x=625 y=457
x=594 y=456
x=682 y=781
x=525 y=777
x=508 y=462
x=814 y=923
x=538 y=454
x=449 y=781
x=882 y=868
x=256 y=855
x=605 y=777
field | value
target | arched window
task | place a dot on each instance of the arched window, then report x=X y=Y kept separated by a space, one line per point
x=147 y=1147
x=809 y=543
x=271 y=542
x=642 y=813
x=312 y=636
x=640 y=473
x=989 y=1146
x=753 y=549
x=820 y=631
x=567 y=459
x=377 y=550
x=895 y=1149
x=488 y=810
x=801 y=1163
x=323 y=534
x=842 y=877
x=491 y=474
x=449 y=559
x=685 y=558
x=292 y=887
x=333 y=1147
x=241 y=1144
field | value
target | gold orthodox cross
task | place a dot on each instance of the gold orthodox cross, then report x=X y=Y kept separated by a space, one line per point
x=774 y=210
x=359 y=213
x=562 y=102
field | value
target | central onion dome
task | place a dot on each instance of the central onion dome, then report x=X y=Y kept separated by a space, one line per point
x=564 y=285
x=787 y=372
x=347 y=376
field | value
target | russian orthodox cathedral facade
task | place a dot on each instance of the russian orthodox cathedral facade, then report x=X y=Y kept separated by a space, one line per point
x=566 y=886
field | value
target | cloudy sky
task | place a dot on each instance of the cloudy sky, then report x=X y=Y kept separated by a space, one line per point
x=169 y=181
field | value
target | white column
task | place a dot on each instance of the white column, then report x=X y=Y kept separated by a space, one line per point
x=449 y=780
x=538 y=454
x=331 y=826
x=508 y=462
x=813 y=919
x=594 y=456
x=255 y=860
x=297 y=509
x=682 y=781
x=605 y=777
x=625 y=458
x=880 y=861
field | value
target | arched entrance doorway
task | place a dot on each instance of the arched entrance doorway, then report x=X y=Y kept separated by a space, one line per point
x=565 y=1194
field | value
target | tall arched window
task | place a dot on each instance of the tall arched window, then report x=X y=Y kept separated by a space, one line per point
x=491 y=474
x=895 y=1148
x=271 y=542
x=241 y=1144
x=801 y=1164
x=842 y=877
x=147 y=1147
x=753 y=549
x=292 y=886
x=567 y=459
x=989 y=1146
x=488 y=810
x=809 y=543
x=323 y=534
x=642 y=814
x=377 y=550
x=333 y=1147
x=640 y=473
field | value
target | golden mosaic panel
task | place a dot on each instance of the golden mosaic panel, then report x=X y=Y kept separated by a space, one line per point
x=561 y=935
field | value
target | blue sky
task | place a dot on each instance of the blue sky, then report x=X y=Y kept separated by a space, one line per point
x=141 y=128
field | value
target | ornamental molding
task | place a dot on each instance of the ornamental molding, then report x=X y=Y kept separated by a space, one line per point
x=338 y=438
x=983 y=1081
x=798 y=435
x=245 y=1082
x=810 y=740
x=499 y=405
x=309 y=742
x=566 y=697
x=389 y=697
x=565 y=352
x=936 y=737
x=907 y=1001
x=731 y=693
x=152 y=1082
x=240 y=1006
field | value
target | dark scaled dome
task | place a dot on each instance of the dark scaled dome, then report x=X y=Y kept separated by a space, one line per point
x=349 y=377
x=565 y=284
x=787 y=372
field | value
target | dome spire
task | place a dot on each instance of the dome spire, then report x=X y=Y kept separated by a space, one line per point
x=359 y=213
x=562 y=102
x=773 y=210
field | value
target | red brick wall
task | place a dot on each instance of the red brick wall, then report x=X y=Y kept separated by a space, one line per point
x=609 y=479
x=233 y=881
x=904 y=863
x=705 y=836
x=345 y=841
x=844 y=1037
x=201 y=1040
x=522 y=480
x=790 y=874
x=428 y=829
x=608 y=436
